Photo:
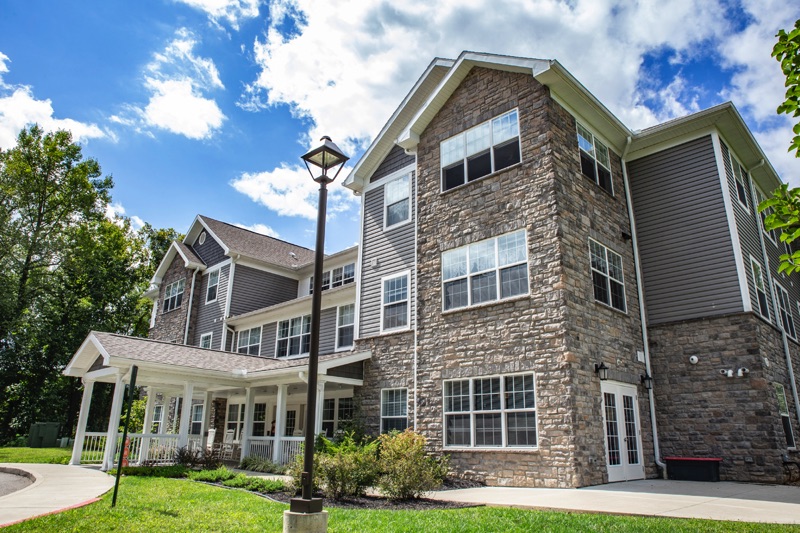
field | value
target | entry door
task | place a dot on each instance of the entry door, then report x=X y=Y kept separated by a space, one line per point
x=623 y=436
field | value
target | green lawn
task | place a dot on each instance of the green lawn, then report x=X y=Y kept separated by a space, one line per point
x=165 y=505
x=35 y=455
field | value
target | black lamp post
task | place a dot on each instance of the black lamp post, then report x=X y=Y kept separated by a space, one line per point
x=326 y=157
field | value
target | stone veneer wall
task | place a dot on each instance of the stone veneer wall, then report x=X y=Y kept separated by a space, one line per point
x=702 y=413
x=171 y=326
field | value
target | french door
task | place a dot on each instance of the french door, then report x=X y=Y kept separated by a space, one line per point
x=622 y=432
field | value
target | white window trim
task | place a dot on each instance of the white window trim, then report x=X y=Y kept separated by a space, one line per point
x=278 y=337
x=779 y=306
x=329 y=273
x=168 y=289
x=237 y=435
x=757 y=305
x=380 y=429
x=491 y=152
x=595 y=139
x=497 y=269
x=260 y=339
x=158 y=419
x=473 y=411
x=407 y=274
x=608 y=277
x=736 y=182
x=353 y=325
x=195 y=408
x=202 y=238
x=786 y=413
x=208 y=287
x=760 y=197
x=210 y=336
x=385 y=205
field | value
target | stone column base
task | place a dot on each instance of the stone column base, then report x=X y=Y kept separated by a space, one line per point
x=305 y=523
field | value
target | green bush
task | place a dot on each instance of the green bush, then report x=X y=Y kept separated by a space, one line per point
x=212 y=476
x=347 y=468
x=295 y=471
x=407 y=471
x=173 y=471
x=259 y=464
x=255 y=484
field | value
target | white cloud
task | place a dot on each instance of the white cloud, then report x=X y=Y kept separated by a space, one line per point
x=263 y=229
x=178 y=81
x=345 y=66
x=290 y=191
x=19 y=108
x=115 y=212
x=232 y=11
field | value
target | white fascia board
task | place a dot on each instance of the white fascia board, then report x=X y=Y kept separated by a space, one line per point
x=195 y=230
x=409 y=137
x=343 y=295
x=183 y=373
x=384 y=141
x=172 y=251
x=341 y=258
x=88 y=352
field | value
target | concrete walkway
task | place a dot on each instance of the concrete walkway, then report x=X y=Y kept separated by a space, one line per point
x=54 y=488
x=743 y=502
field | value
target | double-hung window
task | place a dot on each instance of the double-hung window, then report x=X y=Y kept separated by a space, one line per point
x=345 y=323
x=595 y=162
x=294 y=336
x=197 y=419
x=772 y=234
x=213 y=284
x=259 y=419
x=607 y=276
x=479 y=151
x=491 y=412
x=250 y=341
x=783 y=410
x=485 y=271
x=335 y=278
x=740 y=177
x=234 y=423
x=205 y=340
x=397 y=201
x=395 y=307
x=761 y=291
x=394 y=410
x=158 y=418
x=173 y=295
x=785 y=310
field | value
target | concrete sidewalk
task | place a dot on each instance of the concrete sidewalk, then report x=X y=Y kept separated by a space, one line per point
x=743 y=502
x=55 y=488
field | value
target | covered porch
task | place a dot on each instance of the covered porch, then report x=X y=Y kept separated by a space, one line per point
x=237 y=404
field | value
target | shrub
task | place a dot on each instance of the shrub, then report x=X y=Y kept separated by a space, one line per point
x=210 y=459
x=187 y=457
x=255 y=484
x=259 y=464
x=173 y=471
x=295 y=471
x=407 y=471
x=212 y=476
x=347 y=468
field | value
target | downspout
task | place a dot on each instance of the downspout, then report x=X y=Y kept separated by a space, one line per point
x=642 y=314
x=416 y=288
x=224 y=340
x=784 y=337
x=189 y=312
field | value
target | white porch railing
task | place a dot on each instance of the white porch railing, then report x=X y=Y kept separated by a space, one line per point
x=261 y=447
x=290 y=447
x=93 y=448
x=151 y=448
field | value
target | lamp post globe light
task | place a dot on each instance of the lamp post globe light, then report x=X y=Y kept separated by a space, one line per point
x=321 y=160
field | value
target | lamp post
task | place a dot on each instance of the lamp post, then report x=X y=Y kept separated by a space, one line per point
x=325 y=157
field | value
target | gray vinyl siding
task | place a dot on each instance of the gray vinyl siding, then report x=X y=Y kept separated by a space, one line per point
x=393 y=250
x=269 y=335
x=255 y=289
x=210 y=251
x=687 y=258
x=209 y=316
x=748 y=226
x=395 y=160
x=327 y=334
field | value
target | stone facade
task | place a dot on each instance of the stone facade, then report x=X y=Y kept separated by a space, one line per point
x=170 y=326
x=557 y=331
x=703 y=413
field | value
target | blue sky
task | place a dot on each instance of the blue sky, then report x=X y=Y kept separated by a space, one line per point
x=205 y=106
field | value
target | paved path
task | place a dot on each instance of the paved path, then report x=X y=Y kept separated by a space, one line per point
x=56 y=487
x=744 y=502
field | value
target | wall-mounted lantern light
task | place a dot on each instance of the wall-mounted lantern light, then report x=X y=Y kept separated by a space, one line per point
x=601 y=370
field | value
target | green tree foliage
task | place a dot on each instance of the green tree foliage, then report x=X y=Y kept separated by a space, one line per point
x=65 y=270
x=784 y=205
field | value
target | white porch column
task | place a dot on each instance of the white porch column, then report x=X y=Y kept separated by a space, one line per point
x=83 y=417
x=186 y=414
x=320 y=397
x=280 y=423
x=144 y=449
x=206 y=419
x=249 y=402
x=113 y=424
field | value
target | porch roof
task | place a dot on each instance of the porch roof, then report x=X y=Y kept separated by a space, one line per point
x=109 y=350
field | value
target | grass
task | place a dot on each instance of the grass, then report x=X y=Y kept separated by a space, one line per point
x=35 y=455
x=170 y=505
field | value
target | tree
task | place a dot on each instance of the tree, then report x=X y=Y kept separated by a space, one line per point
x=784 y=205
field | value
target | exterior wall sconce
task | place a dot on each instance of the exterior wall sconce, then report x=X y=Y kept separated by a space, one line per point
x=601 y=370
x=647 y=381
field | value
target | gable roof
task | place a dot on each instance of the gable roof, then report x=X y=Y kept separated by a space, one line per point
x=190 y=260
x=239 y=241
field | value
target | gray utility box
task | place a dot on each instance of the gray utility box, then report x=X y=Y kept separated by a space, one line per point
x=43 y=435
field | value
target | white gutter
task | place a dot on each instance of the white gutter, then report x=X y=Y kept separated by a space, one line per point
x=189 y=311
x=778 y=321
x=642 y=314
